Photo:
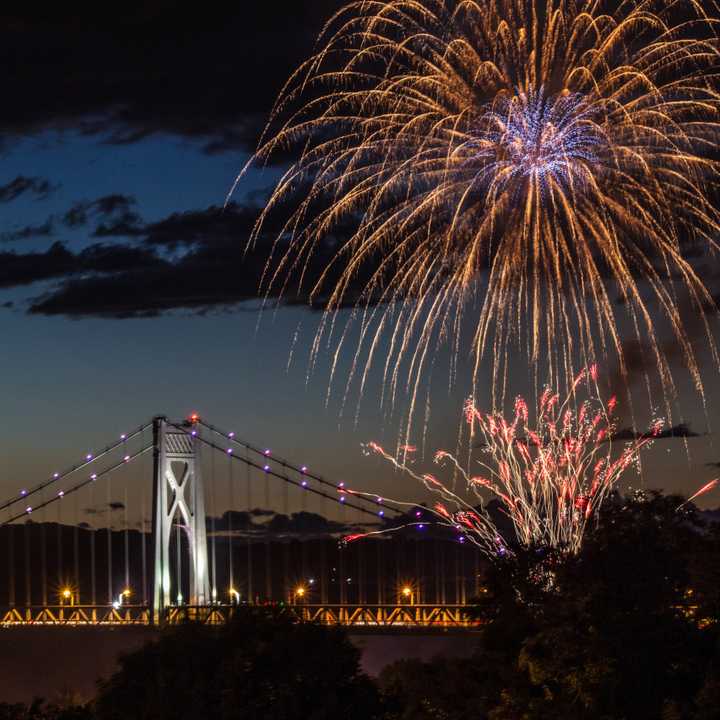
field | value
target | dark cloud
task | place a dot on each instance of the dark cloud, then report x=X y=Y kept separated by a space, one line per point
x=45 y=229
x=58 y=262
x=21 y=185
x=303 y=523
x=134 y=70
x=196 y=261
x=109 y=212
x=676 y=431
x=110 y=507
x=267 y=522
x=260 y=512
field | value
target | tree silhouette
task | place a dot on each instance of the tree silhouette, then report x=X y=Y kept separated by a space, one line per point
x=261 y=666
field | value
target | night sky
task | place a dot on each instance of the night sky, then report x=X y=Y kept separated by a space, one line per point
x=126 y=290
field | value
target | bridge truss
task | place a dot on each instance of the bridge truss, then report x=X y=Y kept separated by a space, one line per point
x=357 y=617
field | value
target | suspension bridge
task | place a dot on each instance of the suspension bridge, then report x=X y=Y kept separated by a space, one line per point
x=183 y=520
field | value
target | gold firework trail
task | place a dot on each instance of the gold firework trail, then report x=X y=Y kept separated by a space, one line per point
x=510 y=165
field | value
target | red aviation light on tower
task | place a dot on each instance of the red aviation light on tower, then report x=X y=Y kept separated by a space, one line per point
x=194 y=418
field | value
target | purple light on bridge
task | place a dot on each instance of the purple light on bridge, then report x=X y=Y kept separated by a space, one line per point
x=61 y=493
x=266 y=453
x=342 y=498
x=56 y=476
x=303 y=469
x=23 y=493
x=231 y=435
x=421 y=527
x=123 y=436
x=229 y=451
x=126 y=458
x=304 y=483
x=93 y=476
x=89 y=456
x=28 y=509
x=266 y=468
x=381 y=513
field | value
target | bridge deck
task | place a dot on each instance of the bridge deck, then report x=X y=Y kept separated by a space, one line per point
x=371 y=617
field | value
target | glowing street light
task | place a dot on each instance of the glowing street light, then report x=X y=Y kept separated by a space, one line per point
x=408 y=594
x=67 y=597
x=234 y=596
x=122 y=597
x=298 y=594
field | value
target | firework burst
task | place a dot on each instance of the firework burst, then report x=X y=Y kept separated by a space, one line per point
x=541 y=158
x=550 y=475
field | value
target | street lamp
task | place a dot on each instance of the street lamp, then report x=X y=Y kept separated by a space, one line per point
x=299 y=594
x=408 y=594
x=123 y=596
x=234 y=595
x=67 y=596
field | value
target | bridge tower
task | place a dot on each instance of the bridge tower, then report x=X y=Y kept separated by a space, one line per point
x=178 y=494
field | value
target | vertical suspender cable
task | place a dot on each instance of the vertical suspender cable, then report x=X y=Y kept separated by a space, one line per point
x=380 y=573
x=213 y=511
x=458 y=548
x=286 y=494
x=323 y=571
x=476 y=584
x=268 y=568
x=143 y=548
x=250 y=592
x=93 y=533
x=341 y=574
x=268 y=548
x=28 y=591
x=43 y=550
x=361 y=573
x=60 y=577
x=231 y=510
x=143 y=522
x=418 y=572
x=109 y=545
x=398 y=570
x=126 y=538
x=11 y=564
x=303 y=556
x=443 y=574
x=76 y=548
x=287 y=590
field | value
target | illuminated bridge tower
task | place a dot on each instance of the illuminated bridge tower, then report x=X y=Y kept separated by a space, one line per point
x=178 y=497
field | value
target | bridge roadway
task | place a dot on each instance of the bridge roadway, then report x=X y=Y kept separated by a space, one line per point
x=374 y=618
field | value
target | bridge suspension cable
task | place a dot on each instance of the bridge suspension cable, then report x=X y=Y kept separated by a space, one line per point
x=60 y=494
x=303 y=471
x=90 y=458
x=269 y=471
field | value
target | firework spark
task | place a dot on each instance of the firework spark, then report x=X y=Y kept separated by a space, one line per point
x=704 y=489
x=539 y=157
x=550 y=477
